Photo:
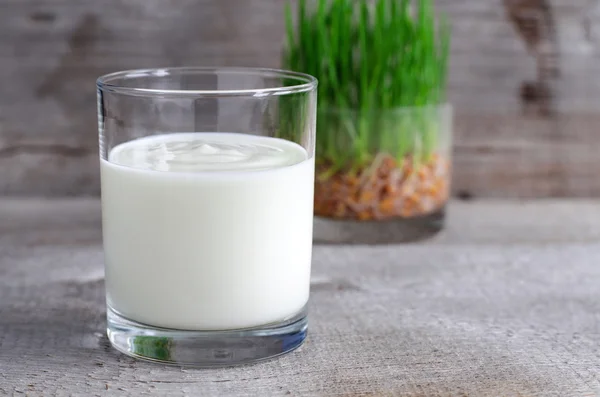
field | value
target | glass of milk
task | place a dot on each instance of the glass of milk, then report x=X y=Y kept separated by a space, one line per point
x=207 y=210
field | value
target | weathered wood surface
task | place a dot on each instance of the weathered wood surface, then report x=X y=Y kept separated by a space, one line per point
x=504 y=303
x=51 y=53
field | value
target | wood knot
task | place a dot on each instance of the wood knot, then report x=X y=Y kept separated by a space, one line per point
x=42 y=17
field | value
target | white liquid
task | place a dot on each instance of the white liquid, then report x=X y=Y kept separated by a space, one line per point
x=207 y=231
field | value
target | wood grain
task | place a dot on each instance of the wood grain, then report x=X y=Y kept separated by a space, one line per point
x=51 y=53
x=503 y=303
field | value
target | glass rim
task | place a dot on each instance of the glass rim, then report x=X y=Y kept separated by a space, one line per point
x=305 y=81
x=442 y=106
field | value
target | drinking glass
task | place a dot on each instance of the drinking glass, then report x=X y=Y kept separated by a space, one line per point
x=207 y=211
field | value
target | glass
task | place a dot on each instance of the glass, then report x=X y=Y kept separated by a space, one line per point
x=382 y=176
x=207 y=211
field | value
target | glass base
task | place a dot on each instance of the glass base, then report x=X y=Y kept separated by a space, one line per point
x=205 y=348
x=400 y=230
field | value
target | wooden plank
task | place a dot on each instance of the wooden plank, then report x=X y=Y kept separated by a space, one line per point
x=485 y=309
x=66 y=222
x=53 y=51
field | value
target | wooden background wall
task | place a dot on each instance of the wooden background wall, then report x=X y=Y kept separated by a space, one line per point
x=52 y=51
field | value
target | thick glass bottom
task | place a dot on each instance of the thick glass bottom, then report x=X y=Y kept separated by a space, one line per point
x=400 y=230
x=205 y=348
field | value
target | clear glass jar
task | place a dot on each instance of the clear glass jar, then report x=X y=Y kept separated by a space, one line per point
x=382 y=176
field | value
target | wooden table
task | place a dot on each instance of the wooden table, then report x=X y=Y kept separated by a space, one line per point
x=505 y=302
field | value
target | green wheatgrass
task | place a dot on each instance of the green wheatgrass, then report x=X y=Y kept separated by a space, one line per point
x=381 y=66
x=152 y=346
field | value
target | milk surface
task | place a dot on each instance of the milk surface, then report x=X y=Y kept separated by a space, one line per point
x=207 y=231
